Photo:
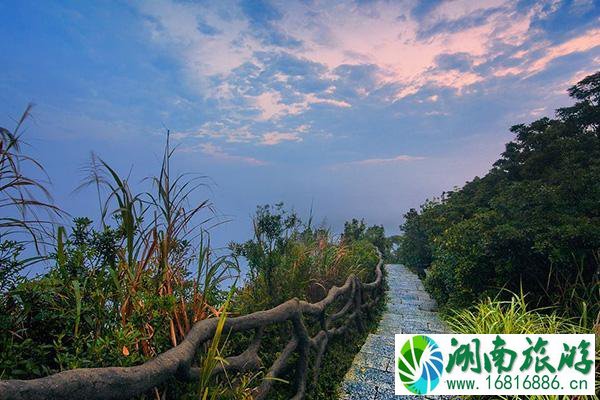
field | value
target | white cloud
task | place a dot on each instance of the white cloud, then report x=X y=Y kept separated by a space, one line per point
x=334 y=34
x=229 y=130
x=453 y=10
x=218 y=153
x=273 y=138
x=383 y=34
x=536 y=112
x=271 y=104
x=174 y=26
x=402 y=158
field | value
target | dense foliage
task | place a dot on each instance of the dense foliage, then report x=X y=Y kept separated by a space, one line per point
x=531 y=223
x=356 y=230
x=289 y=258
x=115 y=293
x=130 y=286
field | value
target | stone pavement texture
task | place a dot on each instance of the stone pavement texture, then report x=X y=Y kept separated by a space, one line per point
x=409 y=310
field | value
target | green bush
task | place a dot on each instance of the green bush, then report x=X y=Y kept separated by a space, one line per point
x=122 y=291
x=356 y=230
x=288 y=259
x=531 y=222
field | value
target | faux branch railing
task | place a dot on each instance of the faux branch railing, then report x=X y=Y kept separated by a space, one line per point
x=127 y=382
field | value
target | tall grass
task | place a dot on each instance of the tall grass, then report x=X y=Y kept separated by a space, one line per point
x=159 y=228
x=119 y=294
x=25 y=202
x=211 y=359
x=493 y=316
x=512 y=316
x=578 y=293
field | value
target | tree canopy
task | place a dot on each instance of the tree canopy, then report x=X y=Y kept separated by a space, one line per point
x=531 y=223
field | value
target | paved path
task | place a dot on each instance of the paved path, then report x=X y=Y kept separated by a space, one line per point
x=409 y=310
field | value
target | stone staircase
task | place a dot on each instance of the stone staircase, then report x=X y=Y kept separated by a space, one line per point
x=409 y=310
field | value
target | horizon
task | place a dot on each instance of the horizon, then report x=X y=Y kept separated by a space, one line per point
x=351 y=109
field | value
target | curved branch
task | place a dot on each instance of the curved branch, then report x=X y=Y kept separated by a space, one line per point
x=127 y=382
x=276 y=369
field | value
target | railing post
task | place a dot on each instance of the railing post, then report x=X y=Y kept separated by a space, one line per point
x=358 y=306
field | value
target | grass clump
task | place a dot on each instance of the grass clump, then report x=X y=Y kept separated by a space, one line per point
x=514 y=316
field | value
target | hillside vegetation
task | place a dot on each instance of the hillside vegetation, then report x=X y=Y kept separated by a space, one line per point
x=530 y=225
x=120 y=290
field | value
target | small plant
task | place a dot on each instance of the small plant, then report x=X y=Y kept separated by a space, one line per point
x=212 y=358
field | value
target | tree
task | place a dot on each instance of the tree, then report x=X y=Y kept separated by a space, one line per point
x=274 y=229
x=533 y=221
x=356 y=230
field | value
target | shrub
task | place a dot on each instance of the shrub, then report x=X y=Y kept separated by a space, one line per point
x=118 y=294
x=303 y=262
x=356 y=230
x=532 y=221
x=288 y=259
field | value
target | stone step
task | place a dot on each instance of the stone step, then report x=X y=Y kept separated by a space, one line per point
x=413 y=318
x=409 y=309
x=422 y=304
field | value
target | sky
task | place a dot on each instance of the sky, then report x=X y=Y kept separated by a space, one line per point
x=352 y=108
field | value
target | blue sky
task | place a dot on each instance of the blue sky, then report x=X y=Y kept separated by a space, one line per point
x=358 y=108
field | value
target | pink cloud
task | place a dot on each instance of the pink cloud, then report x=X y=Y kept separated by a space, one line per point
x=335 y=34
x=395 y=46
x=585 y=42
x=452 y=79
x=271 y=107
x=400 y=158
x=582 y=43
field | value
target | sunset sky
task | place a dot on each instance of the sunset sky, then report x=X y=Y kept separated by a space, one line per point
x=358 y=108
